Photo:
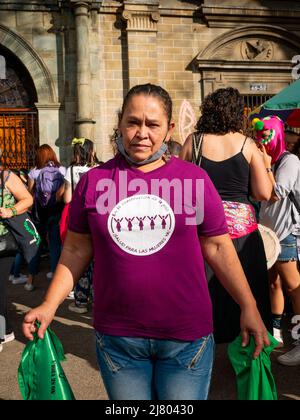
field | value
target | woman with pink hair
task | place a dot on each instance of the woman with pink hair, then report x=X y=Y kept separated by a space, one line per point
x=281 y=214
x=270 y=133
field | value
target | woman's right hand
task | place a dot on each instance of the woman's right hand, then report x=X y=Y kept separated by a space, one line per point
x=44 y=314
x=266 y=158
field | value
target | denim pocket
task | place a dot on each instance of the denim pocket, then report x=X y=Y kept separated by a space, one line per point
x=110 y=349
x=198 y=355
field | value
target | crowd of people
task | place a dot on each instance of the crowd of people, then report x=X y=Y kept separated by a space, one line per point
x=165 y=286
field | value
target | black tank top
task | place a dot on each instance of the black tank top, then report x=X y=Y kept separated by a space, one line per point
x=231 y=176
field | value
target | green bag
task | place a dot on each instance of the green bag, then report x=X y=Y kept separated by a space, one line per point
x=40 y=374
x=254 y=377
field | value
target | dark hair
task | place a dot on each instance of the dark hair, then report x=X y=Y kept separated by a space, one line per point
x=293 y=147
x=174 y=147
x=291 y=132
x=151 y=90
x=296 y=150
x=147 y=89
x=44 y=155
x=222 y=112
x=84 y=154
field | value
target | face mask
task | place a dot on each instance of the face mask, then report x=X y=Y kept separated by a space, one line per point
x=157 y=155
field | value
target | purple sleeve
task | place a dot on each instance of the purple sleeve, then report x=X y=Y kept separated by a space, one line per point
x=78 y=221
x=214 y=222
x=34 y=173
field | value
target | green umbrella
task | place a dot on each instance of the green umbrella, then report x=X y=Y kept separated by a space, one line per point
x=286 y=105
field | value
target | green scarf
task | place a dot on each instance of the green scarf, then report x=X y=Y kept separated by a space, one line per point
x=254 y=377
x=40 y=374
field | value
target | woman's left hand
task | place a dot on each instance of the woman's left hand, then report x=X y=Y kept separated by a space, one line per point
x=252 y=324
x=5 y=213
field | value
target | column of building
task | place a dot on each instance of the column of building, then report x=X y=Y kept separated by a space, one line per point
x=141 y=26
x=84 y=121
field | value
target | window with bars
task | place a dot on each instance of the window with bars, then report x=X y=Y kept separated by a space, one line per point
x=19 y=137
x=19 y=134
x=254 y=101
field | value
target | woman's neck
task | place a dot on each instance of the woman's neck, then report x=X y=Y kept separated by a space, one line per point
x=148 y=167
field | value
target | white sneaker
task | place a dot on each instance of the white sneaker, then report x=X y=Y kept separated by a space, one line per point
x=11 y=276
x=20 y=280
x=71 y=295
x=1 y=347
x=277 y=334
x=292 y=357
x=8 y=338
x=29 y=287
x=49 y=275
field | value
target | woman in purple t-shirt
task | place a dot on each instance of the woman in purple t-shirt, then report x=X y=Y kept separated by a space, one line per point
x=152 y=311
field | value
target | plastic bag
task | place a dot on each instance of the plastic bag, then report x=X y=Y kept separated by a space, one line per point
x=40 y=374
x=254 y=377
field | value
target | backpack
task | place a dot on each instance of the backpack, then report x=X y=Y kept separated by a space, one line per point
x=48 y=183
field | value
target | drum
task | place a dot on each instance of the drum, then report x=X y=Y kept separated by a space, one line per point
x=271 y=244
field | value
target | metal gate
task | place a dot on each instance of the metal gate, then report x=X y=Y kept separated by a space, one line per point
x=250 y=103
x=19 y=137
x=254 y=101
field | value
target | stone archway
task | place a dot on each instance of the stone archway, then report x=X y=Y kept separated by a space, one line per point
x=276 y=33
x=32 y=61
x=250 y=58
x=47 y=100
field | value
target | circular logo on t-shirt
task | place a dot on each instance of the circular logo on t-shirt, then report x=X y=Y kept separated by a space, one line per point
x=141 y=224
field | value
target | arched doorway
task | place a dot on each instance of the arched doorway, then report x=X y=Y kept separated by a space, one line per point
x=256 y=59
x=19 y=133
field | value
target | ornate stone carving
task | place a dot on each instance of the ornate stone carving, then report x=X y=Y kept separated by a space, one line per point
x=257 y=49
x=81 y=3
x=145 y=21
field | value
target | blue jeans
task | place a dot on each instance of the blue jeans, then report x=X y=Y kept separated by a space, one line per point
x=54 y=245
x=16 y=267
x=50 y=230
x=19 y=260
x=288 y=249
x=152 y=369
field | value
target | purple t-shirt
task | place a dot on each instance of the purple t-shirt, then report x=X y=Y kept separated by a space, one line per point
x=149 y=278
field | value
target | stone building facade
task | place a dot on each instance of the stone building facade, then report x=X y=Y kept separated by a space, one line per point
x=67 y=64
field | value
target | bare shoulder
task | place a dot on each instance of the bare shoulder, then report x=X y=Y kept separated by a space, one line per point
x=7 y=175
x=249 y=147
x=13 y=182
x=189 y=139
x=250 y=141
x=10 y=176
x=187 y=148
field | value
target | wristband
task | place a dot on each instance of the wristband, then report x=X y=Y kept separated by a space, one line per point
x=14 y=211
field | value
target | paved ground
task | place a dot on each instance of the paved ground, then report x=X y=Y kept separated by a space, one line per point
x=76 y=335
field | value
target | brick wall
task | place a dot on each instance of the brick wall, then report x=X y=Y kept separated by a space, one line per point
x=139 y=42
